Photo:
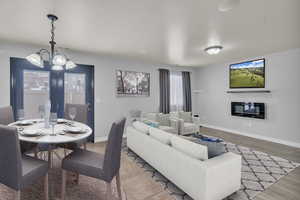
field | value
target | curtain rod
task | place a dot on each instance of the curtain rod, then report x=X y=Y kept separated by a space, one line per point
x=175 y=70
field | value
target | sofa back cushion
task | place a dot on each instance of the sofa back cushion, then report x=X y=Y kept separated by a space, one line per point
x=151 y=116
x=186 y=116
x=163 y=119
x=142 y=127
x=160 y=135
x=189 y=148
x=174 y=114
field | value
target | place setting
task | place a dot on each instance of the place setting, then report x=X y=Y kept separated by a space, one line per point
x=31 y=133
x=48 y=128
x=73 y=131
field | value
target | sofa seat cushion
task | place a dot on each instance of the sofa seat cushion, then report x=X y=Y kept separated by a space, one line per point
x=160 y=135
x=88 y=163
x=190 y=127
x=168 y=129
x=189 y=148
x=142 y=127
x=32 y=169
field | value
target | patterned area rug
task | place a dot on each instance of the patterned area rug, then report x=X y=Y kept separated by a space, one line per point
x=259 y=171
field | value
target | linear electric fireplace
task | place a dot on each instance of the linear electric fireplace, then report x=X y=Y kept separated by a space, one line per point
x=248 y=109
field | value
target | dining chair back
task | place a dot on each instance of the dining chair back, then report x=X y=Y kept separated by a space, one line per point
x=104 y=167
x=6 y=118
x=6 y=115
x=81 y=112
x=10 y=158
x=16 y=170
x=112 y=157
x=82 y=117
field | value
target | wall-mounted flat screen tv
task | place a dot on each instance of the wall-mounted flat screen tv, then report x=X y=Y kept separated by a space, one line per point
x=249 y=74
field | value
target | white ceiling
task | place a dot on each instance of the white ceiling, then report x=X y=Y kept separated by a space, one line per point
x=163 y=31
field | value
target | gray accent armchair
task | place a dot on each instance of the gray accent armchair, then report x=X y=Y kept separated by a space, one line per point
x=17 y=171
x=104 y=167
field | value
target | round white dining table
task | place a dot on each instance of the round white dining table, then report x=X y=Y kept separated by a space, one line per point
x=45 y=134
x=60 y=136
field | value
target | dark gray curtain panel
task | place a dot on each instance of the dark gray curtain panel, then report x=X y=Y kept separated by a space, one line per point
x=164 y=91
x=187 y=93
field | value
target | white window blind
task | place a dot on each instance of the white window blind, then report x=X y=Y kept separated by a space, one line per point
x=176 y=91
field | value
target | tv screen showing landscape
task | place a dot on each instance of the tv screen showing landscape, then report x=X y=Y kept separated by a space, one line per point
x=250 y=74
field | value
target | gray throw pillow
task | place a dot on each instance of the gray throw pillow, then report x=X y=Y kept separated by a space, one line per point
x=214 y=149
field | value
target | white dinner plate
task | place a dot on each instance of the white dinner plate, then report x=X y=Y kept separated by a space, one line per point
x=61 y=121
x=25 y=123
x=30 y=133
x=75 y=130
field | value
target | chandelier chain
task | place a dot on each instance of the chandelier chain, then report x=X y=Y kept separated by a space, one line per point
x=52 y=31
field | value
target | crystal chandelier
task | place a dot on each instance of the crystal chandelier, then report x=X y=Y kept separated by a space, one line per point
x=56 y=59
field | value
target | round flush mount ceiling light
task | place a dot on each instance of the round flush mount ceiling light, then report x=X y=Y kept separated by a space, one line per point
x=227 y=5
x=213 y=50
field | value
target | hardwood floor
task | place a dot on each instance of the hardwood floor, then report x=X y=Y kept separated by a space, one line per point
x=136 y=184
x=139 y=185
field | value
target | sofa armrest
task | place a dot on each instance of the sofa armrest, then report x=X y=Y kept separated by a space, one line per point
x=180 y=126
x=174 y=123
x=223 y=173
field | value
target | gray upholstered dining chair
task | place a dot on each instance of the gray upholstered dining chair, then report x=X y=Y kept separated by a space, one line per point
x=17 y=171
x=81 y=114
x=104 y=167
x=7 y=117
x=82 y=117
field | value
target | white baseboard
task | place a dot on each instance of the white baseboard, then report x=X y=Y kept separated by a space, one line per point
x=270 y=139
x=104 y=138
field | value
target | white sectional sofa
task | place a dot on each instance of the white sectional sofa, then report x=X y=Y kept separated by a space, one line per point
x=185 y=164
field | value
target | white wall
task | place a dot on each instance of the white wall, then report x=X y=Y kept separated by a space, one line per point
x=108 y=107
x=282 y=104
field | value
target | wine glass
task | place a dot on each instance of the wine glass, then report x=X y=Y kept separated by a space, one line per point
x=20 y=114
x=72 y=113
x=42 y=111
x=53 y=122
